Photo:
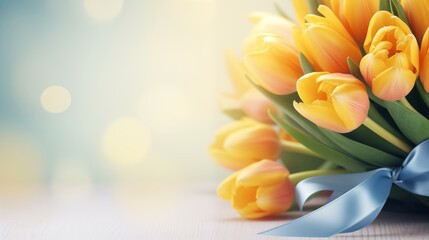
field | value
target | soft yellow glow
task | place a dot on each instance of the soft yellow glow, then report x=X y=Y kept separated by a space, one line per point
x=126 y=141
x=55 y=99
x=103 y=10
x=71 y=181
x=20 y=165
x=165 y=107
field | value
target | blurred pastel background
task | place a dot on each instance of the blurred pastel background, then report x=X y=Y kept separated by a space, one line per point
x=113 y=93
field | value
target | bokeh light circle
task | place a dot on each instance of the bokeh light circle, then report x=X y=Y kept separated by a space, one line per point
x=55 y=99
x=126 y=141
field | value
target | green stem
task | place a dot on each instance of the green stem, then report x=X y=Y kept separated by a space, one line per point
x=380 y=131
x=407 y=104
x=328 y=165
x=297 y=177
x=297 y=148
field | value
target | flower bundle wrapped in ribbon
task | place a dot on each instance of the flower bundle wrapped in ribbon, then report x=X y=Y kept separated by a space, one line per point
x=341 y=97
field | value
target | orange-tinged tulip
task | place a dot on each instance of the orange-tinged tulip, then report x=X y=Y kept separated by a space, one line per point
x=244 y=142
x=245 y=97
x=424 y=61
x=237 y=74
x=325 y=42
x=271 y=24
x=355 y=15
x=259 y=190
x=391 y=65
x=336 y=101
x=273 y=63
x=256 y=106
x=417 y=12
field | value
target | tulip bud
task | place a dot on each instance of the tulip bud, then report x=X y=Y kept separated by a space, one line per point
x=391 y=65
x=237 y=74
x=245 y=97
x=355 y=15
x=272 y=63
x=256 y=106
x=335 y=101
x=244 y=142
x=259 y=190
x=417 y=15
x=325 y=42
x=268 y=23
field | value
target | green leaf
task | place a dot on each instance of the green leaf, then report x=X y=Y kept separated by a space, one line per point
x=364 y=135
x=384 y=5
x=354 y=69
x=413 y=125
x=365 y=153
x=305 y=64
x=330 y=154
x=312 y=6
x=422 y=92
x=285 y=102
x=381 y=120
x=298 y=162
x=234 y=113
x=281 y=12
x=397 y=10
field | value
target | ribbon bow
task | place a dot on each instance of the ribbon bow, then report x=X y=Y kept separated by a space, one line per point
x=357 y=198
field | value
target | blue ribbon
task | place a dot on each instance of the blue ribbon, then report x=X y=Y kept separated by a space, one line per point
x=357 y=198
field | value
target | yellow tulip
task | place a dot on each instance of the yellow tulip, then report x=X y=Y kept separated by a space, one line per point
x=256 y=106
x=272 y=63
x=245 y=98
x=335 y=101
x=424 y=61
x=302 y=8
x=391 y=65
x=269 y=23
x=244 y=142
x=355 y=15
x=259 y=190
x=237 y=74
x=417 y=12
x=325 y=42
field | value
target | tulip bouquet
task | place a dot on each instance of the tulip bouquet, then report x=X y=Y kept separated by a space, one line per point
x=335 y=101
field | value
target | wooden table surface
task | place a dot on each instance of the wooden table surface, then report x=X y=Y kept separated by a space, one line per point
x=162 y=212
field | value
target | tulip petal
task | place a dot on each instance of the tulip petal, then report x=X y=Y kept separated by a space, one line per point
x=272 y=24
x=417 y=16
x=229 y=160
x=226 y=188
x=307 y=88
x=235 y=69
x=256 y=106
x=252 y=211
x=357 y=15
x=256 y=142
x=322 y=114
x=244 y=195
x=352 y=103
x=274 y=75
x=370 y=66
x=330 y=49
x=393 y=84
x=224 y=132
x=264 y=172
x=276 y=197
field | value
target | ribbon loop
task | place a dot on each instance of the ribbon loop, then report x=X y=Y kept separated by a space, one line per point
x=358 y=197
